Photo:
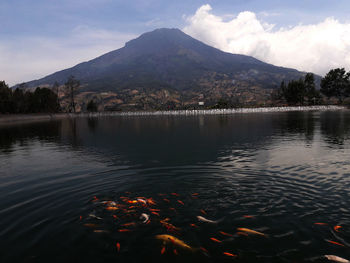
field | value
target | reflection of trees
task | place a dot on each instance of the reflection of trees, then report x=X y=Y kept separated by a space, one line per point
x=92 y=124
x=301 y=123
x=335 y=127
x=21 y=133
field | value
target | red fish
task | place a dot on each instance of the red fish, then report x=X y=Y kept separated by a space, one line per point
x=335 y=243
x=336 y=228
x=195 y=194
x=180 y=202
x=124 y=230
x=175 y=252
x=118 y=246
x=204 y=250
x=215 y=240
x=155 y=213
x=129 y=224
x=115 y=217
x=229 y=254
x=247 y=216
x=166 y=200
x=162 y=251
x=80 y=217
x=174 y=194
x=321 y=224
x=193 y=225
x=225 y=234
x=203 y=212
x=154 y=210
x=110 y=208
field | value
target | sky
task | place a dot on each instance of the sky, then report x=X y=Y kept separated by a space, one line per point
x=39 y=37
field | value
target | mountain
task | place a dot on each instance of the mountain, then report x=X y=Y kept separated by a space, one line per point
x=169 y=58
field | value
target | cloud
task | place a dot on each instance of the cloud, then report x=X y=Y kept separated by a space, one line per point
x=26 y=58
x=313 y=48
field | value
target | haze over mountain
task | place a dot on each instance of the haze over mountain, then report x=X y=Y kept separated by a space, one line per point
x=168 y=58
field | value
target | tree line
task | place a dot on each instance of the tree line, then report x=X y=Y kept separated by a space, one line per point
x=336 y=84
x=21 y=101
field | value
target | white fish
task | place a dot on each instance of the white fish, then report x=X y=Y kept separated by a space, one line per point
x=142 y=200
x=336 y=259
x=94 y=216
x=203 y=219
x=144 y=216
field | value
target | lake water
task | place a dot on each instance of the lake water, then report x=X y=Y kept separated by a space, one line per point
x=275 y=173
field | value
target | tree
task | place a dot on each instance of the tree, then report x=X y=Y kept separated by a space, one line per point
x=310 y=88
x=56 y=88
x=72 y=85
x=336 y=84
x=5 y=98
x=294 y=92
x=91 y=106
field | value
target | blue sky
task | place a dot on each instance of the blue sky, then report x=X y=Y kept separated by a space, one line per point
x=38 y=37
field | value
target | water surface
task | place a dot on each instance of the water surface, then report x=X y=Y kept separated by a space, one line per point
x=276 y=173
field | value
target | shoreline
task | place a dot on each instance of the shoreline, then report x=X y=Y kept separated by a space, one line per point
x=22 y=118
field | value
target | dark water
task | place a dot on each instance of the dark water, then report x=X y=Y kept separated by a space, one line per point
x=285 y=171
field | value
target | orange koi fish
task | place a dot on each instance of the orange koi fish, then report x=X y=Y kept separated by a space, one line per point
x=154 y=210
x=215 y=240
x=249 y=231
x=335 y=243
x=175 y=252
x=336 y=228
x=111 y=208
x=166 y=200
x=155 y=213
x=180 y=202
x=194 y=225
x=173 y=240
x=229 y=254
x=321 y=224
x=115 y=217
x=80 y=217
x=203 y=249
x=247 y=216
x=151 y=201
x=225 y=234
x=195 y=194
x=175 y=194
x=203 y=212
x=100 y=231
x=124 y=230
x=118 y=246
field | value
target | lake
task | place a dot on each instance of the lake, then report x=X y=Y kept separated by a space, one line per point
x=73 y=190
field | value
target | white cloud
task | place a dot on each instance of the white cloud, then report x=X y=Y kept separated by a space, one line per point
x=27 y=58
x=315 y=48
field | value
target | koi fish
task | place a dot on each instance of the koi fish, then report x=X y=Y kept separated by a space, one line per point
x=94 y=216
x=175 y=241
x=204 y=250
x=80 y=217
x=194 y=225
x=336 y=228
x=175 y=252
x=154 y=210
x=321 y=224
x=129 y=224
x=215 y=240
x=101 y=231
x=143 y=201
x=124 y=230
x=175 y=194
x=111 y=208
x=155 y=213
x=242 y=234
x=203 y=219
x=247 y=216
x=115 y=217
x=203 y=212
x=336 y=259
x=166 y=200
x=335 y=243
x=145 y=217
x=195 y=194
x=118 y=246
x=151 y=201
x=249 y=231
x=180 y=202
x=229 y=254
x=163 y=250
x=225 y=234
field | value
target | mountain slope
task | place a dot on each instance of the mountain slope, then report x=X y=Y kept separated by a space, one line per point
x=168 y=58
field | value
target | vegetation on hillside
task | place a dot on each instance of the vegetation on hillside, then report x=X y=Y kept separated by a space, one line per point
x=20 y=101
